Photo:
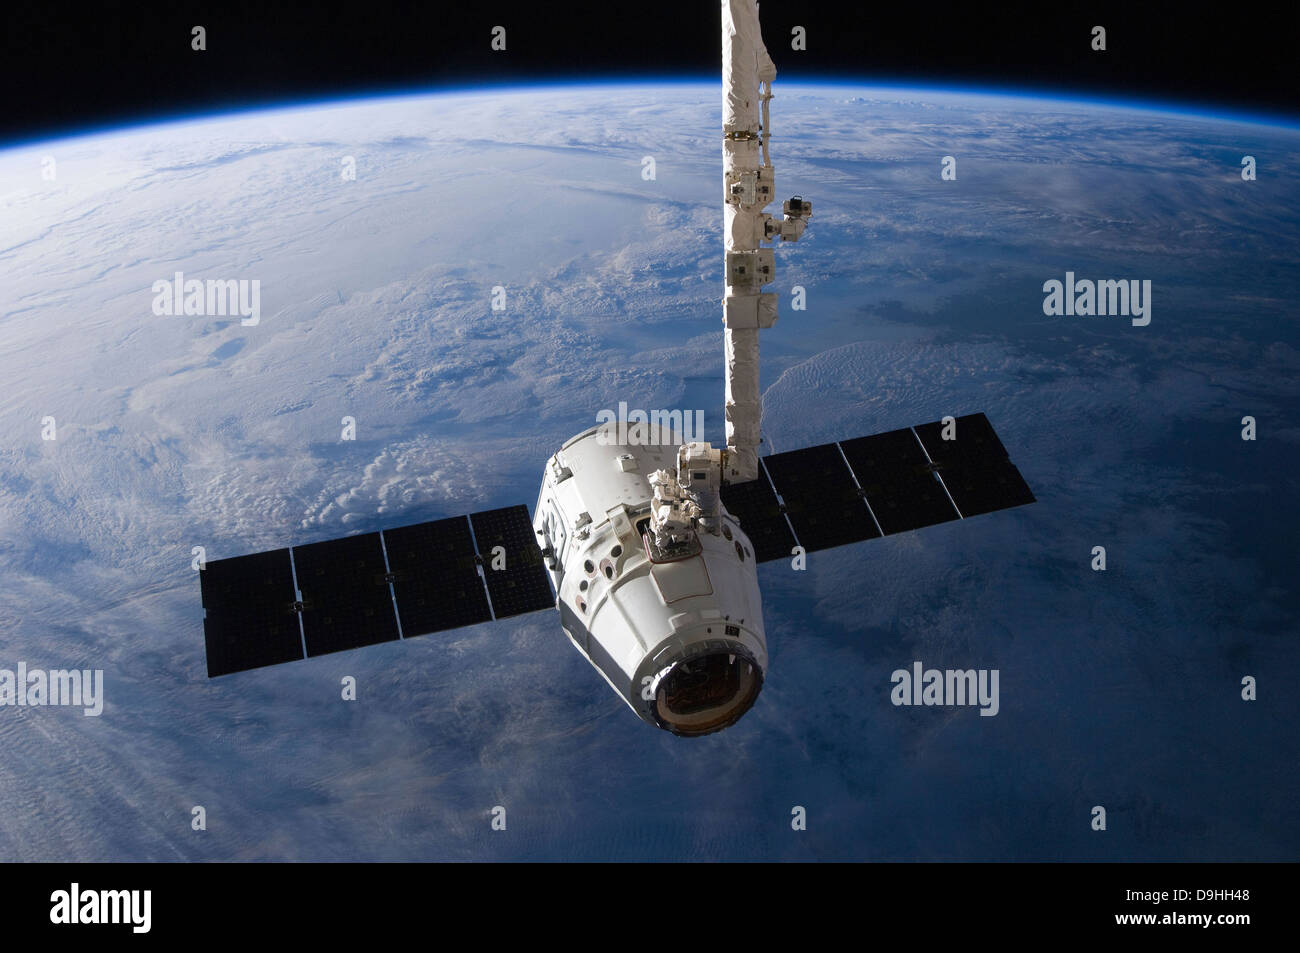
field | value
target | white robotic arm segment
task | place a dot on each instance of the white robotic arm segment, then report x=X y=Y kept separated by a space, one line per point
x=743 y=404
x=744 y=62
x=688 y=499
x=748 y=187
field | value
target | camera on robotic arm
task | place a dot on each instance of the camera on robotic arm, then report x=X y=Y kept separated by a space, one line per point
x=797 y=211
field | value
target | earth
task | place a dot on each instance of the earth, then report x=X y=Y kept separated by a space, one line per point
x=1120 y=688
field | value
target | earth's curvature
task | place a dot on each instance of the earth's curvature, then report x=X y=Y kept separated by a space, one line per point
x=1120 y=689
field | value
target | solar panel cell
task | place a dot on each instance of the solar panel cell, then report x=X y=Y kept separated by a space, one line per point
x=899 y=482
x=974 y=466
x=435 y=576
x=346 y=601
x=823 y=502
x=512 y=563
x=250 y=619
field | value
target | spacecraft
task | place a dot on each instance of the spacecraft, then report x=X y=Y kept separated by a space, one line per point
x=646 y=545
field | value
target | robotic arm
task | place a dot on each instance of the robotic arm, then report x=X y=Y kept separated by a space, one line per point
x=747 y=175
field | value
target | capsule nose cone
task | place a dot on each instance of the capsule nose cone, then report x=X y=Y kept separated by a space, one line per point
x=707 y=693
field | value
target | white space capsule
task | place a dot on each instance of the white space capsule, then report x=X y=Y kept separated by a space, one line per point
x=678 y=633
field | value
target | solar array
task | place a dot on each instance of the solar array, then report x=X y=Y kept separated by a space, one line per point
x=310 y=600
x=838 y=493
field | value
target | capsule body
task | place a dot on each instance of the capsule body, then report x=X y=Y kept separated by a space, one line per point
x=678 y=635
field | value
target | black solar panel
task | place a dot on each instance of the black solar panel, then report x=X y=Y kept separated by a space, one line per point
x=755 y=505
x=435 y=576
x=346 y=601
x=900 y=484
x=522 y=585
x=250 y=619
x=974 y=466
x=821 y=499
x=888 y=476
x=349 y=595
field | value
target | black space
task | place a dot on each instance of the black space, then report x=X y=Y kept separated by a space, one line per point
x=72 y=65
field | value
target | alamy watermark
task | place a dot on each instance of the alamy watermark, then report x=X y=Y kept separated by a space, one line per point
x=930 y=686
x=35 y=688
x=75 y=905
x=1124 y=297
x=654 y=428
x=179 y=295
